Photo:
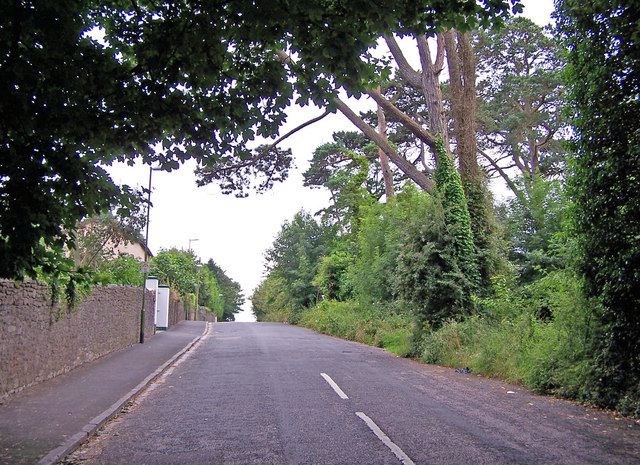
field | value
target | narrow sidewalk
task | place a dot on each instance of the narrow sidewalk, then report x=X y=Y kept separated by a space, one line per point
x=44 y=422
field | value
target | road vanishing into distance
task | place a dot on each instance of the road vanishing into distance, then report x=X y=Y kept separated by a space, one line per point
x=267 y=393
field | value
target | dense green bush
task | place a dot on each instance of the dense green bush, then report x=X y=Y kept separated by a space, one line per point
x=332 y=278
x=270 y=301
x=407 y=256
x=372 y=272
x=488 y=240
x=123 y=269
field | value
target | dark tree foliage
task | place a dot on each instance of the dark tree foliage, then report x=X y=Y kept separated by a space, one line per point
x=604 y=82
x=268 y=165
x=230 y=289
x=61 y=113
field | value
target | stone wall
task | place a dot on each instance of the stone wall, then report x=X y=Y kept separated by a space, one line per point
x=178 y=312
x=205 y=315
x=176 y=309
x=38 y=341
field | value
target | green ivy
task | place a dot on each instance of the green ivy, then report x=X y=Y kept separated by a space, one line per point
x=603 y=81
x=448 y=187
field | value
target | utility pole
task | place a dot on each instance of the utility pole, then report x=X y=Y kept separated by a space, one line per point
x=145 y=264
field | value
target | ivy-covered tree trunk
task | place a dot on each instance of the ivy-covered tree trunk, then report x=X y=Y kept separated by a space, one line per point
x=604 y=84
x=448 y=185
x=456 y=47
x=462 y=83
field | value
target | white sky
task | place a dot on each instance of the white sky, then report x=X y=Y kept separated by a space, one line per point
x=236 y=232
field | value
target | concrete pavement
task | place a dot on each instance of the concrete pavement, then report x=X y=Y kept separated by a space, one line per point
x=43 y=423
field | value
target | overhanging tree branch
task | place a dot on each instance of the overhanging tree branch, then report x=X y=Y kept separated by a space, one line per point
x=300 y=127
x=402 y=163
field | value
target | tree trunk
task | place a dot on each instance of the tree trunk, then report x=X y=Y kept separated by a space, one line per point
x=430 y=83
x=462 y=79
x=387 y=175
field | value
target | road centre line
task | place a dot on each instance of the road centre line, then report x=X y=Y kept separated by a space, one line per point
x=335 y=387
x=404 y=458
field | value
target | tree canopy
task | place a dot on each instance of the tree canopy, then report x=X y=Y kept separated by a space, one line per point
x=60 y=110
x=177 y=269
x=295 y=255
x=197 y=79
x=521 y=123
x=230 y=290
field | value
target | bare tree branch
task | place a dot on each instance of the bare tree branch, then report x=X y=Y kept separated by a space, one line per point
x=300 y=127
x=413 y=78
x=438 y=66
x=503 y=175
x=421 y=133
x=550 y=133
x=403 y=164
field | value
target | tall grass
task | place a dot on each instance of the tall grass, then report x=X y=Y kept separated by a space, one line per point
x=538 y=336
x=356 y=322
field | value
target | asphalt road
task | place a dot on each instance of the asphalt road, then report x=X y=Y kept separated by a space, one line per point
x=260 y=393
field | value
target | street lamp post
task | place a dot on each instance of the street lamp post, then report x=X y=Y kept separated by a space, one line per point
x=190 y=241
x=198 y=267
x=195 y=313
x=145 y=264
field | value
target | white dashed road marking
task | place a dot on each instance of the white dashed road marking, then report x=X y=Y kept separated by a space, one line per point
x=404 y=458
x=335 y=387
